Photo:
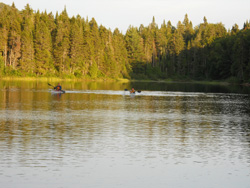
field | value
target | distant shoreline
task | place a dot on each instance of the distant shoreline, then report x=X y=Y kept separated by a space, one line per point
x=55 y=79
x=62 y=79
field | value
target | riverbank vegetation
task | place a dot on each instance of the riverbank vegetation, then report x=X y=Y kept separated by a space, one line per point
x=40 y=44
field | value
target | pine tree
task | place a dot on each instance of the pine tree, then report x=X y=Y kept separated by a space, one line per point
x=14 y=38
x=235 y=29
x=246 y=25
x=4 y=30
x=107 y=64
x=134 y=47
x=62 y=43
x=42 y=46
x=162 y=42
x=27 y=58
x=88 y=47
x=95 y=42
x=120 y=53
x=188 y=29
x=76 y=46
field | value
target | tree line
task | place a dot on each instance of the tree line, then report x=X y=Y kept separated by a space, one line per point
x=39 y=44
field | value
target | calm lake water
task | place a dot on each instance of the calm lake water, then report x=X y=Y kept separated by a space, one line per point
x=98 y=136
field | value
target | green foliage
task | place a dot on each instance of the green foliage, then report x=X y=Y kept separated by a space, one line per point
x=233 y=80
x=93 y=71
x=62 y=42
x=27 y=39
x=134 y=45
x=1 y=66
x=41 y=44
x=153 y=73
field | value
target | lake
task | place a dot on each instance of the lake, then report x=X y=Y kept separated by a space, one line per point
x=97 y=135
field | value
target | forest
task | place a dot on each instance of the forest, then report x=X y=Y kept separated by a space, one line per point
x=40 y=44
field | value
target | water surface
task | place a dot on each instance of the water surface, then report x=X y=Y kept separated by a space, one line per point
x=97 y=135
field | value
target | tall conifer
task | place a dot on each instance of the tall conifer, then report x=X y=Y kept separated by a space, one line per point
x=27 y=58
x=76 y=46
x=62 y=43
x=42 y=46
x=14 y=38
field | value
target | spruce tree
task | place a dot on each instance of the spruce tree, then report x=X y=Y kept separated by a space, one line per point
x=134 y=45
x=27 y=57
x=4 y=30
x=42 y=46
x=121 y=54
x=14 y=37
x=76 y=47
x=62 y=43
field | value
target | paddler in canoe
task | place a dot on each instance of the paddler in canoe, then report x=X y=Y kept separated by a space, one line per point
x=132 y=91
x=58 y=87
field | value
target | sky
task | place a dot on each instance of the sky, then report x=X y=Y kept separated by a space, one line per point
x=123 y=13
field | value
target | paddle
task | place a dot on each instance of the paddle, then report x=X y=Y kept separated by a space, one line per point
x=51 y=85
x=135 y=91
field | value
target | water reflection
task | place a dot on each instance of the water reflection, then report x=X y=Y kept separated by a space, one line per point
x=108 y=139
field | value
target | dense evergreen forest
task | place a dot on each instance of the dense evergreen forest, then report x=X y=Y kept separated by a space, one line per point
x=40 y=44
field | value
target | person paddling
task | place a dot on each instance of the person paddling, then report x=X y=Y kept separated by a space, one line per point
x=58 y=87
x=132 y=90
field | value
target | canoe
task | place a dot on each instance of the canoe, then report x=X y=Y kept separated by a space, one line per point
x=56 y=92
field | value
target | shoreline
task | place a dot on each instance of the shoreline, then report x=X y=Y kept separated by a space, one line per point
x=56 y=79
x=51 y=79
